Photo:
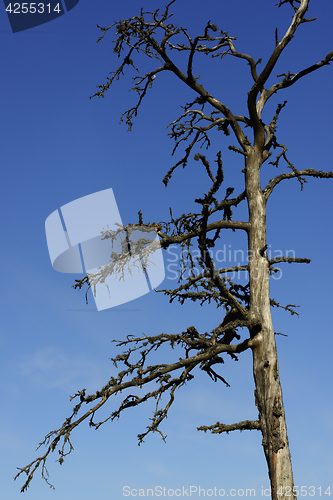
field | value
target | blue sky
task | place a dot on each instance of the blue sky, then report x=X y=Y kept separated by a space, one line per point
x=57 y=146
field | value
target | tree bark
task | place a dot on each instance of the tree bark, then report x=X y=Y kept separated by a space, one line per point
x=265 y=362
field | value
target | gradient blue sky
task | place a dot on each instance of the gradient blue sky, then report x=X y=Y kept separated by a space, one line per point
x=57 y=146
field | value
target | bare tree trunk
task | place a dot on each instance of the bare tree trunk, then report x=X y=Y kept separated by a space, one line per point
x=265 y=362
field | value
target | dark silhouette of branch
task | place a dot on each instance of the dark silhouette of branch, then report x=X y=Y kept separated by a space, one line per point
x=207 y=347
x=288 y=307
x=218 y=428
x=290 y=260
x=299 y=174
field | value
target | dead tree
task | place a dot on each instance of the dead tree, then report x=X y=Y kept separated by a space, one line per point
x=247 y=307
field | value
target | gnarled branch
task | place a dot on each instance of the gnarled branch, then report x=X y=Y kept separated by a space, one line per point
x=218 y=428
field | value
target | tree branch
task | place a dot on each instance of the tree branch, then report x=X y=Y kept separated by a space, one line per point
x=254 y=107
x=161 y=373
x=290 y=260
x=169 y=240
x=289 y=307
x=290 y=79
x=142 y=31
x=309 y=172
x=218 y=428
x=249 y=59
